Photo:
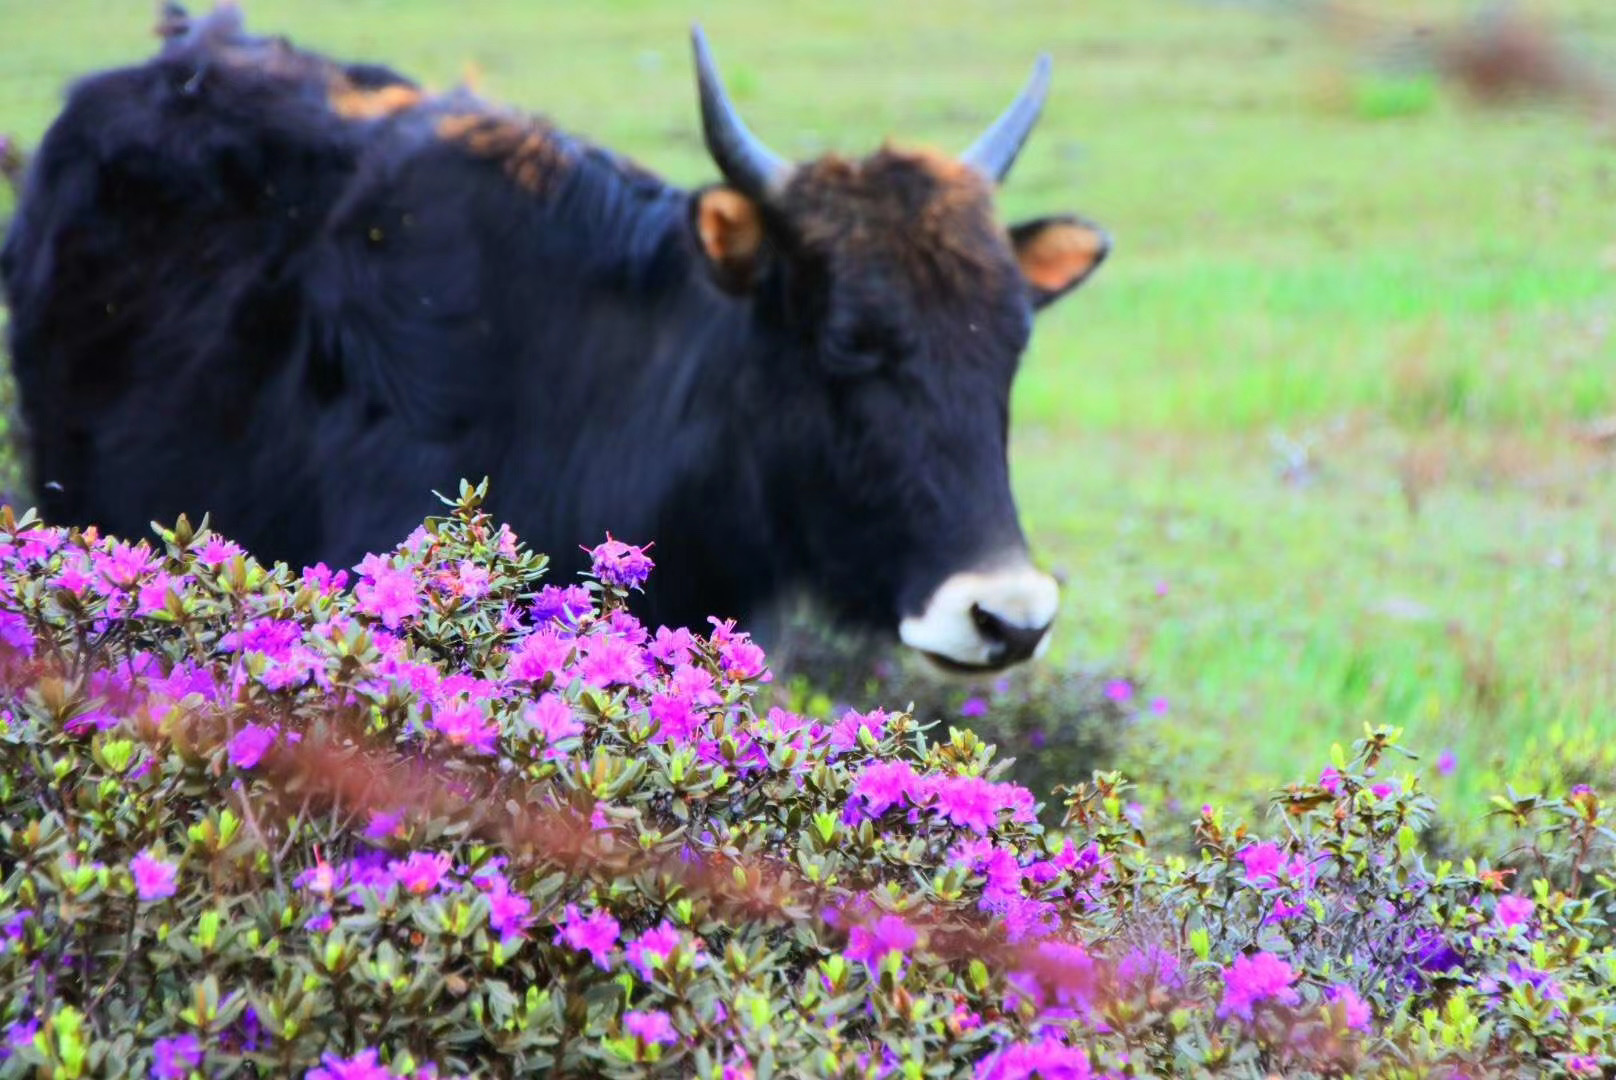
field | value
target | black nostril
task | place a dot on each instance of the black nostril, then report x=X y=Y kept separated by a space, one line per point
x=1017 y=642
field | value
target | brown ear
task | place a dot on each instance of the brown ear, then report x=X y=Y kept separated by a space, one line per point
x=729 y=229
x=1057 y=254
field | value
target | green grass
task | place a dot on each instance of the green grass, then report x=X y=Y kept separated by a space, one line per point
x=1352 y=259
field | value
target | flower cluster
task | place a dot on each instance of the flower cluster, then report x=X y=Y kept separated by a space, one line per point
x=438 y=816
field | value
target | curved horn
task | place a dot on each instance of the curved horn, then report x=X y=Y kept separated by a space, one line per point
x=996 y=150
x=753 y=168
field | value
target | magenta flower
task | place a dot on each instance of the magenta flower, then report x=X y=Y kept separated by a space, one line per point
x=464 y=723
x=566 y=605
x=1354 y=1011
x=362 y=1066
x=610 y=661
x=554 y=719
x=1257 y=978
x=883 y=784
x=621 y=565
x=121 y=565
x=1446 y=762
x=387 y=593
x=215 y=550
x=1264 y=863
x=421 y=872
x=1119 y=690
x=672 y=647
x=542 y=653
x=844 y=735
x=595 y=935
x=871 y=944
x=154 y=878
x=508 y=912
x=652 y=1028
x=972 y=707
x=974 y=803
x=742 y=660
x=1330 y=780
x=1515 y=910
x=653 y=945
x=676 y=718
x=1047 y=1058
x=174 y=1057
x=250 y=745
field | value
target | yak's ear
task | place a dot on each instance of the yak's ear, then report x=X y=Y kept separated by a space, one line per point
x=1057 y=254
x=729 y=230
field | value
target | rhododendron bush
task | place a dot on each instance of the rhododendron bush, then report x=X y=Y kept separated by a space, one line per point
x=438 y=815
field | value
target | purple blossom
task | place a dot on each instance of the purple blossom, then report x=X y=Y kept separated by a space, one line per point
x=20 y=1036
x=154 y=878
x=464 y=723
x=541 y=654
x=14 y=632
x=564 y=605
x=595 y=935
x=672 y=647
x=653 y=1028
x=216 y=549
x=1446 y=762
x=1046 y=1058
x=552 y=718
x=250 y=745
x=653 y=945
x=975 y=803
x=1354 y=1011
x=508 y=912
x=1515 y=910
x=1119 y=690
x=386 y=592
x=871 y=944
x=620 y=565
x=844 y=735
x=362 y=1066
x=174 y=1057
x=883 y=784
x=973 y=707
x=419 y=873
x=1253 y=979
x=610 y=661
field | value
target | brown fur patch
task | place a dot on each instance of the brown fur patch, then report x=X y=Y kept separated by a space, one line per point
x=1059 y=255
x=928 y=215
x=359 y=103
x=525 y=147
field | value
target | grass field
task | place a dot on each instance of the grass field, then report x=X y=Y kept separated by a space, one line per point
x=1304 y=448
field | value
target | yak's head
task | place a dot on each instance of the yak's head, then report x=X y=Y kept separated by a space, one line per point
x=901 y=307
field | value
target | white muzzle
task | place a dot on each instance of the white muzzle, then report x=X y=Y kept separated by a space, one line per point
x=985 y=620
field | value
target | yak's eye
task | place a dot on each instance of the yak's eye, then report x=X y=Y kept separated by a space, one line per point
x=863 y=348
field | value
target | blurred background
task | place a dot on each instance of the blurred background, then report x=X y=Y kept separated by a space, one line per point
x=1327 y=441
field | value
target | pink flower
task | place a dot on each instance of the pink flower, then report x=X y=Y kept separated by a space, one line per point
x=974 y=803
x=121 y=565
x=465 y=724
x=973 y=707
x=1119 y=690
x=566 y=605
x=610 y=661
x=621 y=565
x=507 y=911
x=421 y=872
x=870 y=945
x=174 y=1057
x=845 y=734
x=672 y=647
x=387 y=592
x=651 y=1028
x=361 y=1066
x=1354 y=1011
x=216 y=549
x=542 y=653
x=250 y=745
x=1256 y=978
x=154 y=878
x=595 y=935
x=1330 y=780
x=1046 y=1058
x=742 y=660
x=1264 y=863
x=652 y=946
x=883 y=784
x=677 y=721
x=554 y=719
x=1446 y=762
x=1515 y=910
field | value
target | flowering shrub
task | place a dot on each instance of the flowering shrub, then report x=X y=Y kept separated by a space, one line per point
x=440 y=817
